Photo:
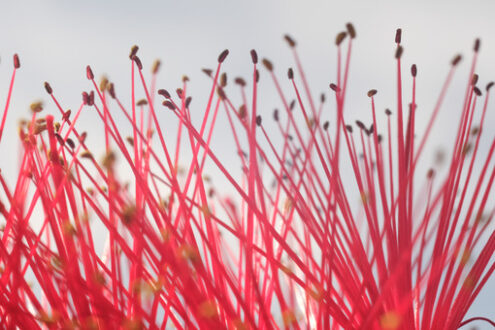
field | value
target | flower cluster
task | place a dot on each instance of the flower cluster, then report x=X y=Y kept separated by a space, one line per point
x=286 y=245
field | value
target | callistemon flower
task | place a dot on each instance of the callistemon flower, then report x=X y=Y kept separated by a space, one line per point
x=142 y=236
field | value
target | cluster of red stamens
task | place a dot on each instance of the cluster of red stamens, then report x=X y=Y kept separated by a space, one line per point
x=287 y=246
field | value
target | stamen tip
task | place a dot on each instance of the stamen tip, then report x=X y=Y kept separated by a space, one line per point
x=268 y=64
x=134 y=50
x=223 y=55
x=258 y=120
x=17 y=62
x=292 y=43
x=164 y=93
x=290 y=73
x=89 y=73
x=398 y=36
x=456 y=60
x=254 y=56
x=240 y=81
x=156 y=66
x=477 y=91
x=372 y=92
x=477 y=44
x=48 y=88
x=223 y=79
x=351 y=30
x=340 y=37
x=334 y=87
x=136 y=60
x=474 y=80
x=414 y=70
x=399 y=52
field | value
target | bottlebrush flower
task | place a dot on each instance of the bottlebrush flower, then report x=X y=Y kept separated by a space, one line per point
x=284 y=246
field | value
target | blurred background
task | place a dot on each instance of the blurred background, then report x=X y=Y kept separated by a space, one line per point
x=57 y=39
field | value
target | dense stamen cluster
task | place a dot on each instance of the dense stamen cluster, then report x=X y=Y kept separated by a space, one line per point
x=287 y=248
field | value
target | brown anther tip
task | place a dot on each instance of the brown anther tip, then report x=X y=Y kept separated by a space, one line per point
x=474 y=80
x=223 y=55
x=348 y=128
x=340 y=37
x=398 y=52
x=223 y=79
x=91 y=98
x=188 y=101
x=351 y=30
x=138 y=62
x=36 y=106
x=456 y=60
x=325 y=125
x=290 y=73
x=164 y=93
x=179 y=92
x=477 y=44
x=156 y=66
x=254 y=56
x=48 y=88
x=111 y=90
x=372 y=92
x=66 y=115
x=221 y=93
x=86 y=154
x=430 y=173
x=240 y=81
x=360 y=124
x=275 y=115
x=85 y=97
x=334 y=87
x=398 y=36
x=256 y=76
x=242 y=111
x=322 y=97
x=388 y=112
x=17 y=62
x=141 y=102
x=258 y=120
x=134 y=50
x=268 y=64
x=168 y=104
x=71 y=143
x=290 y=41
x=89 y=73
x=185 y=78
x=82 y=137
x=208 y=72
x=59 y=139
x=379 y=137
x=292 y=105
x=103 y=83
x=477 y=91
x=414 y=70
x=489 y=85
